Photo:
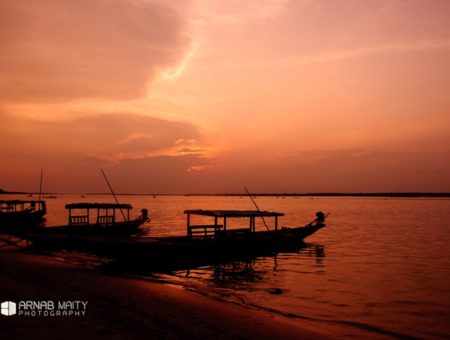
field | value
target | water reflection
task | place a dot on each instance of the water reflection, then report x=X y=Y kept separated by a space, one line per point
x=244 y=273
x=229 y=274
x=317 y=251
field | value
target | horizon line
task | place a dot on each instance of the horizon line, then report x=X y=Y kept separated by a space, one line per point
x=269 y=194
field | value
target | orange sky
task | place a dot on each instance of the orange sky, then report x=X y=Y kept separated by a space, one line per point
x=209 y=96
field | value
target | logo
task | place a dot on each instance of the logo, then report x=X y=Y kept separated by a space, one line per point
x=77 y=308
x=8 y=308
x=26 y=308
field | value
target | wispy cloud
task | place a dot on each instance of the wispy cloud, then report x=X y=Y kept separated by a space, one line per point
x=299 y=59
x=368 y=51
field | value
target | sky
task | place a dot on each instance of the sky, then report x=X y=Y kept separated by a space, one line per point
x=192 y=96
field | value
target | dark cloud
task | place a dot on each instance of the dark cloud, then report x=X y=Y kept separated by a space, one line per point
x=161 y=174
x=72 y=152
x=78 y=173
x=65 y=49
x=354 y=170
x=105 y=135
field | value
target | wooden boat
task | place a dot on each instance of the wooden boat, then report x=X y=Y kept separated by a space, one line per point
x=21 y=214
x=202 y=243
x=98 y=219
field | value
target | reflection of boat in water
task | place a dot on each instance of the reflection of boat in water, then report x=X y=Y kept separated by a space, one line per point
x=202 y=243
x=251 y=269
x=20 y=215
x=97 y=219
x=227 y=271
x=235 y=273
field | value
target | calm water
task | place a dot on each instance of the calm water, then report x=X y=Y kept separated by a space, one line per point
x=381 y=267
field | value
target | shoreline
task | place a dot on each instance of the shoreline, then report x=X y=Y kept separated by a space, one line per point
x=130 y=308
x=311 y=194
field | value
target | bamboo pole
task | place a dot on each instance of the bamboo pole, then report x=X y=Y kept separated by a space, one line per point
x=257 y=208
x=112 y=191
x=40 y=183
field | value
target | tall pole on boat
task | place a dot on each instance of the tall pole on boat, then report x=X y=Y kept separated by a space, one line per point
x=112 y=192
x=256 y=206
x=40 y=183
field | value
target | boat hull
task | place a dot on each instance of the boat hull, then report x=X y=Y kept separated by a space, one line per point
x=20 y=221
x=20 y=216
x=127 y=228
x=163 y=252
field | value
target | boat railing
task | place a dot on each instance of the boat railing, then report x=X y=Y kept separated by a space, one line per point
x=107 y=220
x=7 y=208
x=92 y=214
x=13 y=206
x=79 y=220
x=204 y=230
x=234 y=232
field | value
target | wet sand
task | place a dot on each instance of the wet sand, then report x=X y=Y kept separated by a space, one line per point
x=122 y=308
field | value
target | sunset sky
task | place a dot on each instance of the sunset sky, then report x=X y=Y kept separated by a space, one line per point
x=210 y=96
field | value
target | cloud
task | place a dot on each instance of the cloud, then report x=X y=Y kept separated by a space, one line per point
x=64 y=49
x=141 y=153
x=78 y=173
x=161 y=174
x=368 y=51
x=345 y=170
x=112 y=136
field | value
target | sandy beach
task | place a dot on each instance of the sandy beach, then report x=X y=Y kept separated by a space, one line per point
x=128 y=308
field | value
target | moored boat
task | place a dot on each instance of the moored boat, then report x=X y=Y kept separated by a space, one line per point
x=202 y=243
x=20 y=215
x=104 y=219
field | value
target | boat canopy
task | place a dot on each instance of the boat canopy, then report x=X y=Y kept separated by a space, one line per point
x=212 y=230
x=98 y=206
x=21 y=205
x=233 y=213
x=18 y=201
x=106 y=213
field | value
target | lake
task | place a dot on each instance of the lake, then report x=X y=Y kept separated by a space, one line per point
x=380 y=268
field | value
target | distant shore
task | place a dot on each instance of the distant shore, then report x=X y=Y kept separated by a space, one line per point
x=127 y=308
x=311 y=194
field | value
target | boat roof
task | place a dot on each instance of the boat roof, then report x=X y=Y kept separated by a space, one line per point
x=98 y=206
x=233 y=213
x=19 y=201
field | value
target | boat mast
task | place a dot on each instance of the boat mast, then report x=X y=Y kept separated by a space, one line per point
x=40 y=184
x=112 y=191
x=257 y=208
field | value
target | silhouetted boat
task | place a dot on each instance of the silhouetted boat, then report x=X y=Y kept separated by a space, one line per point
x=98 y=219
x=202 y=242
x=21 y=214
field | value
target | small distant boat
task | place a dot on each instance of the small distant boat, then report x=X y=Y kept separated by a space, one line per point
x=19 y=215
x=87 y=219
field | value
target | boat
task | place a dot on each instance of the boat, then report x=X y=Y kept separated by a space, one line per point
x=21 y=214
x=201 y=244
x=101 y=219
